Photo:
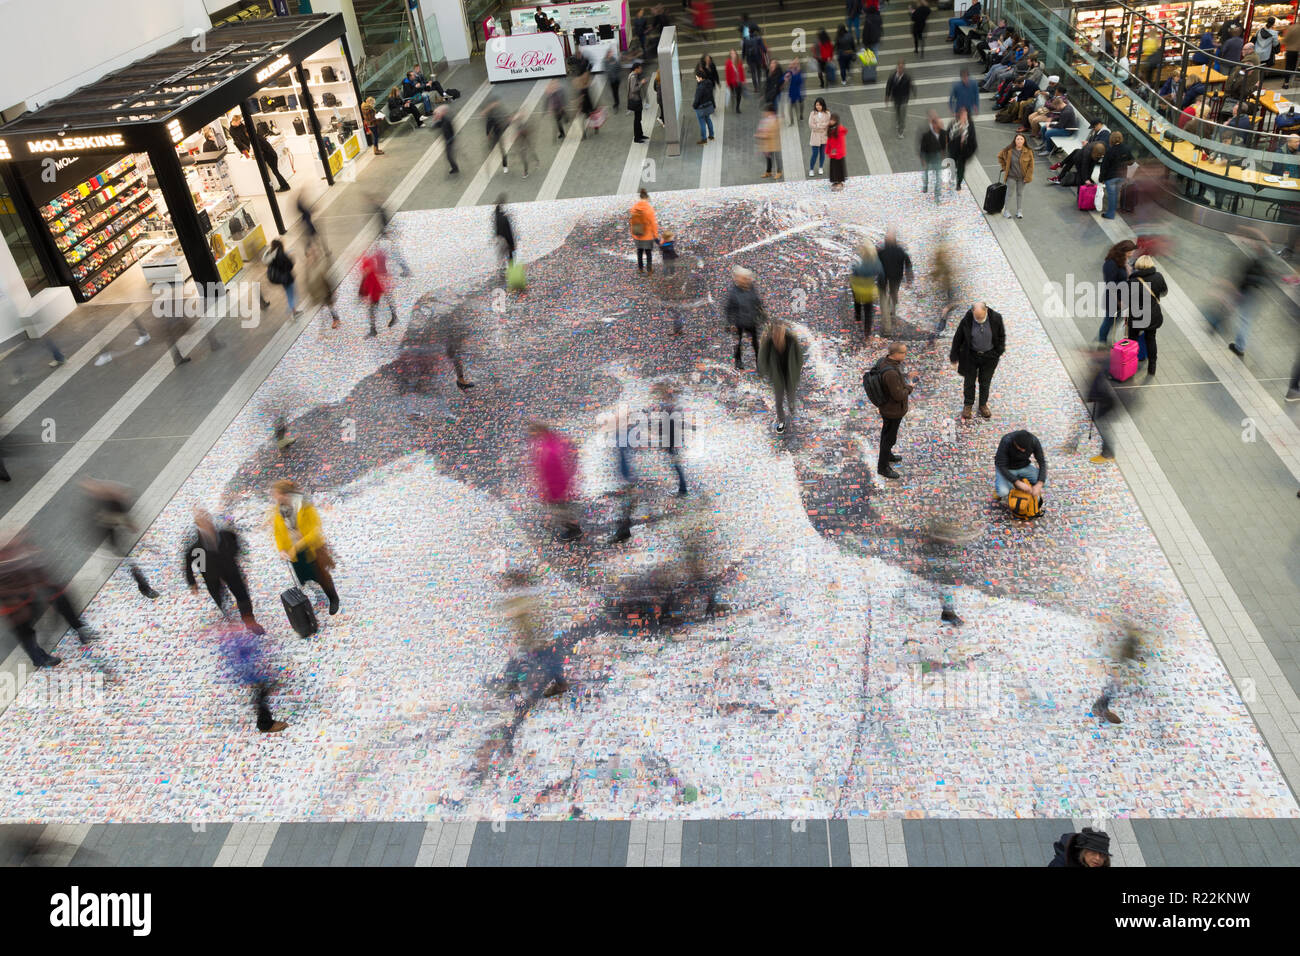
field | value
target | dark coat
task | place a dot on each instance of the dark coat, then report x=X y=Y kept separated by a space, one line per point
x=896 y=388
x=961 y=147
x=1114 y=164
x=772 y=89
x=789 y=365
x=895 y=263
x=961 y=352
x=220 y=562
x=934 y=144
x=743 y=309
x=898 y=87
x=872 y=28
x=239 y=134
x=1146 y=287
x=703 y=95
x=503 y=229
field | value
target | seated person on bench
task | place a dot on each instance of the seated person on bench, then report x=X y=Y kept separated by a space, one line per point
x=969 y=18
x=1012 y=466
x=413 y=91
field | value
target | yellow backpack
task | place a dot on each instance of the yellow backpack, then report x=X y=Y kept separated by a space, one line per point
x=1023 y=504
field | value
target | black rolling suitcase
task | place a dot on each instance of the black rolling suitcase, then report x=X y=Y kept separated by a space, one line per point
x=995 y=197
x=298 y=609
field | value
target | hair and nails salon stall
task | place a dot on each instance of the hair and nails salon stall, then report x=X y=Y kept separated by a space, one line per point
x=174 y=159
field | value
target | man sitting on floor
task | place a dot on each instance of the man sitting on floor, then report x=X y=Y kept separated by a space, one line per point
x=1012 y=466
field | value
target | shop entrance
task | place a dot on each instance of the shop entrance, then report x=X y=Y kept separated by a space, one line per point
x=194 y=161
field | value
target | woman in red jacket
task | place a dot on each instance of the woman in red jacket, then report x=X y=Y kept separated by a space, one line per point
x=836 y=149
x=825 y=57
x=735 y=77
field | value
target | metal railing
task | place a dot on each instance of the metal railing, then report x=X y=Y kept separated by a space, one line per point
x=1242 y=158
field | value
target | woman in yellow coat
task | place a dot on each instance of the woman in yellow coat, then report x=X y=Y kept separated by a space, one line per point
x=296 y=525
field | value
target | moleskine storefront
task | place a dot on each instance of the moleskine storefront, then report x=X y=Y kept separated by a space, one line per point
x=184 y=164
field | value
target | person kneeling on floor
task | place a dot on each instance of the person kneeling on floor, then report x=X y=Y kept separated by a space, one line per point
x=1013 y=468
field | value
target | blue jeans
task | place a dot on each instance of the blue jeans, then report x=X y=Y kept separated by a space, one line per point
x=1051 y=134
x=291 y=294
x=932 y=167
x=953 y=23
x=1029 y=473
x=1103 y=334
x=706 y=123
x=1112 y=196
x=818 y=157
x=855 y=28
x=1245 y=315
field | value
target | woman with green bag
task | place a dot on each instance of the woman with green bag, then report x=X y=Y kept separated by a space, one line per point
x=862 y=281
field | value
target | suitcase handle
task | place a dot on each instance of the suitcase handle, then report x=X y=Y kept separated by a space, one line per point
x=293 y=576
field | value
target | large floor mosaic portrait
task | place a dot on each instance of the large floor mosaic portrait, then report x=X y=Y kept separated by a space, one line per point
x=768 y=645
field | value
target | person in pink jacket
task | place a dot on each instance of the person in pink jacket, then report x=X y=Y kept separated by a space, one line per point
x=555 y=468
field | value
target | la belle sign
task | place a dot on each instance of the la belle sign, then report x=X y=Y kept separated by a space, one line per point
x=524 y=56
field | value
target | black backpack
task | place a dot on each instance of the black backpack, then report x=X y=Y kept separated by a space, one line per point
x=873 y=383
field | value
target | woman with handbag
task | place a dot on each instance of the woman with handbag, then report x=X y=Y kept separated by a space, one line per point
x=279 y=271
x=1145 y=290
x=370 y=123
x=296 y=526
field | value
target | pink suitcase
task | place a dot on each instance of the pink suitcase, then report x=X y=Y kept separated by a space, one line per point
x=1123 y=360
x=1088 y=196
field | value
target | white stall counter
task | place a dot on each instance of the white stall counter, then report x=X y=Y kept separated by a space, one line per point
x=595 y=53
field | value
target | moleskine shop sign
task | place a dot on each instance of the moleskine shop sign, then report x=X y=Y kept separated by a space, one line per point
x=78 y=144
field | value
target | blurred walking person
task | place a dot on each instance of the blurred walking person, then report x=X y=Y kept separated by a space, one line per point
x=555 y=470
x=26 y=591
x=864 y=279
x=769 y=141
x=320 y=281
x=735 y=76
x=503 y=231
x=212 y=554
x=1101 y=401
x=522 y=147
x=898 y=90
x=110 y=513
x=556 y=103
x=743 y=310
x=934 y=144
x=780 y=362
x=246 y=663
x=296 y=527
x=895 y=268
x=442 y=122
x=375 y=288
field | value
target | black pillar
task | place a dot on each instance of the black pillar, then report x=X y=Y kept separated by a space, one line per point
x=310 y=105
x=261 y=168
x=185 y=218
x=57 y=270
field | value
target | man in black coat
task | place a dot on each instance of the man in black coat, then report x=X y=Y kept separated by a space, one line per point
x=898 y=90
x=977 y=345
x=896 y=267
x=213 y=554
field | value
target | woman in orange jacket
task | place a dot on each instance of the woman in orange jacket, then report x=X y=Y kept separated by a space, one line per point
x=644 y=227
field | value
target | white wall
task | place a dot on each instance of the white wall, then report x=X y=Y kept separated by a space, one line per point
x=349 y=20
x=450 y=15
x=50 y=47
